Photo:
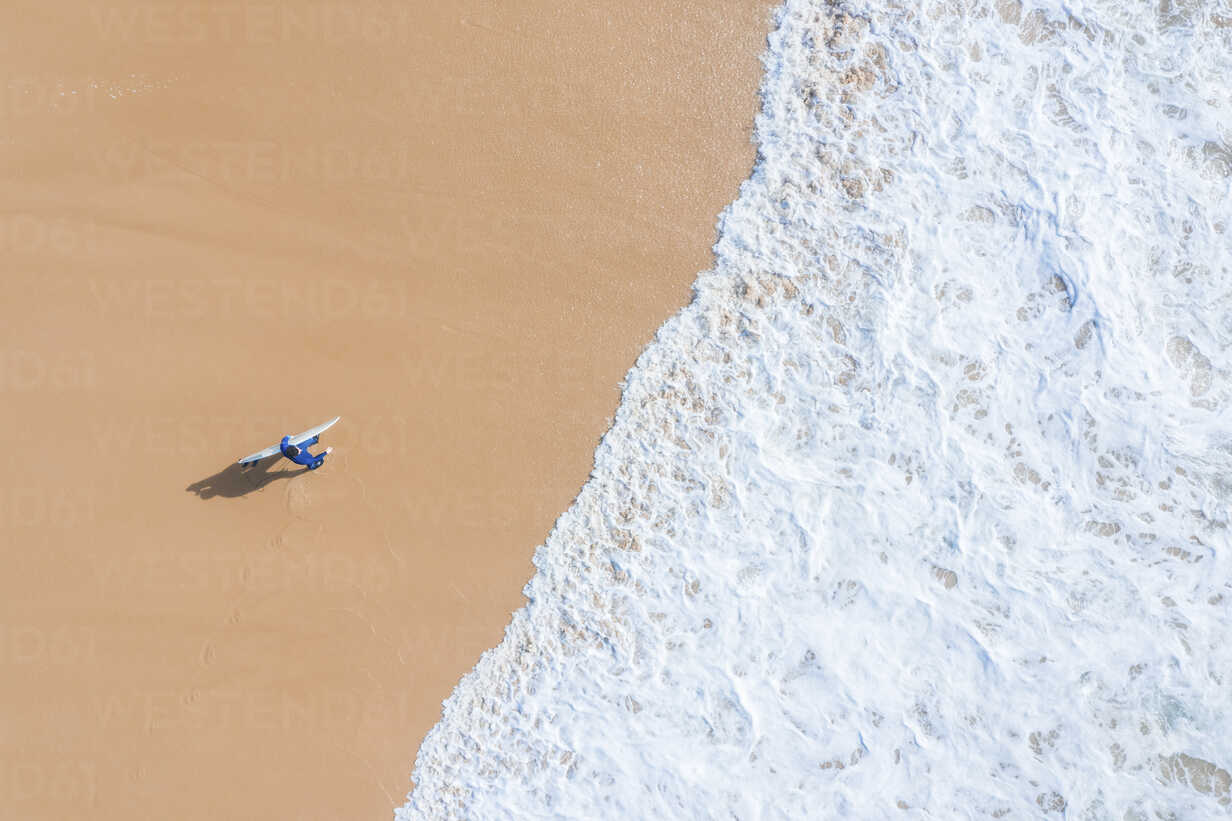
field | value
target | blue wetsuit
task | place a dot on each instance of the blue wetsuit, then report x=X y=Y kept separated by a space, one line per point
x=302 y=457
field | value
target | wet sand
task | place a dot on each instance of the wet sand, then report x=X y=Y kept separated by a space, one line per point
x=456 y=225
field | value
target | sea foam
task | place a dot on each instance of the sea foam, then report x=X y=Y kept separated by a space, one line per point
x=920 y=508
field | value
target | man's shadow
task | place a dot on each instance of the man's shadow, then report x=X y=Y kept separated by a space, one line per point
x=239 y=480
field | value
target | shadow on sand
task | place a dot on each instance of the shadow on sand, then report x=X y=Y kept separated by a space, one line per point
x=234 y=480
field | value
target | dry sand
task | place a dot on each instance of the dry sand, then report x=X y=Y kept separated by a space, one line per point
x=455 y=224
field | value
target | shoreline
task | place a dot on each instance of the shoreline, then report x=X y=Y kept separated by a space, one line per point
x=517 y=201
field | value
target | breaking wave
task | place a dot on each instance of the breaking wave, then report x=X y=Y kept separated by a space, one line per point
x=920 y=508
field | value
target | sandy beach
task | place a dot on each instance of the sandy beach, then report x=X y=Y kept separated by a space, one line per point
x=455 y=225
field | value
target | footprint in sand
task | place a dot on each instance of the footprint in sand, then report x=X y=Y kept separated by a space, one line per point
x=298 y=498
x=207 y=654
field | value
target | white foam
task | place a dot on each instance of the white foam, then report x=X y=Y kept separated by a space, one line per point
x=920 y=508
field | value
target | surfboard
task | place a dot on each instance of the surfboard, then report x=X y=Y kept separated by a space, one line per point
x=297 y=439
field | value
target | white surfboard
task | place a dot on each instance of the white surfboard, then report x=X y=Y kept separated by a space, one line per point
x=295 y=440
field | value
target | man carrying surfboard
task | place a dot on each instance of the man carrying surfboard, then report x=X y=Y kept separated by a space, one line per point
x=296 y=447
x=299 y=453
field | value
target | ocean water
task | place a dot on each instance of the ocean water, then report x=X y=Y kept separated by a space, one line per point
x=920 y=508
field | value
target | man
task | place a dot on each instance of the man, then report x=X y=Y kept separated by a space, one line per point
x=299 y=453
